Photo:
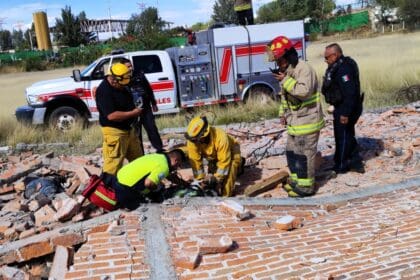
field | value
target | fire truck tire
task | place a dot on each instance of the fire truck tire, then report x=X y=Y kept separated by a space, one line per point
x=64 y=118
x=260 y=94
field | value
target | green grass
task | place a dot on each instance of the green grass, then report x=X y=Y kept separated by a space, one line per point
x=389 y=74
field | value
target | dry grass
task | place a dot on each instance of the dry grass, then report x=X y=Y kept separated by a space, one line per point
x=387 y=64
x=388 y=69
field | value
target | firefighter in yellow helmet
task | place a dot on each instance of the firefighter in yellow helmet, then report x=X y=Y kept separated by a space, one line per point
x=117 y=112
x=300 y=111
x=221 y=150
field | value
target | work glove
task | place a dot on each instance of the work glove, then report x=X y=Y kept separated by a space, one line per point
x=139 y=103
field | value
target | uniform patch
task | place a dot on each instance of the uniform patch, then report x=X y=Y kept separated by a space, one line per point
x=345 y=78
x=161 y=176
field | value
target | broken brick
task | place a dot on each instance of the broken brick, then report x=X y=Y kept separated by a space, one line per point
x=27 y=233
x=188 y=260
x=69 y=208
x=44 y=216
x=6 y=189
x=288 y=223
x=68 y=240
x=236 y=209
x=214 y=245
x=35 y=250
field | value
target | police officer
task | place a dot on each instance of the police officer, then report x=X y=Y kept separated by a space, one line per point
x=341 y=88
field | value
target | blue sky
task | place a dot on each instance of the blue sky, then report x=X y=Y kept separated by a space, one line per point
x=17 y=14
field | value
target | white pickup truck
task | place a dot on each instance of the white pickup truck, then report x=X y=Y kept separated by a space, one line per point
x=227 y=65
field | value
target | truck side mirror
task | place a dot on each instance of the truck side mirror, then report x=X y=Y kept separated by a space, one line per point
x=76 y=75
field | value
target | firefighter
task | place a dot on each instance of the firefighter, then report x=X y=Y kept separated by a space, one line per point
x=221 y=150
x=341 y=87
x=117 y=113
x=143 y=93
x=243 y=9
x=300 y=110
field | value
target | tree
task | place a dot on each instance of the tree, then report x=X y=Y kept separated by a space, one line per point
x=148 y=29
x=200 y=26
x=67 y=29
x=282 y=10
x=269 y=12
x=223 y=11
x=18 y=40
x=5 y=40
x=409 y=10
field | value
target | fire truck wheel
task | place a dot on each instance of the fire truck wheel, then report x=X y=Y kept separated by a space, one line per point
x=64 y=118
x=260 y=95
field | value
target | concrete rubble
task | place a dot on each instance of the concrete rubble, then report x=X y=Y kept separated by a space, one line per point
x=389 y=144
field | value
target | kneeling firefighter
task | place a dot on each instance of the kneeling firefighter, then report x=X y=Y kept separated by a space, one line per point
x=221 y=150
x=300 y=110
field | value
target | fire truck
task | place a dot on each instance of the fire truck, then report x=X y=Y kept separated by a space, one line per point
x=227 y=64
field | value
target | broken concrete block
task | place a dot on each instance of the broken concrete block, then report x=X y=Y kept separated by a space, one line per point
x=288 y=223
x=12 y=273
x=69 y=208
x=12 y=206
x=44 y=216
x=214 y=245
x=19 y=187
x=62 y=259
x=236 y=209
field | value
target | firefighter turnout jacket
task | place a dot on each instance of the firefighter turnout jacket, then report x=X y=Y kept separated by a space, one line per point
x=300 y=100
x=221 y=151
x=301 y=107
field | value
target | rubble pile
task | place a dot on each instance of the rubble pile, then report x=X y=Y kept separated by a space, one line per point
x=39 y=192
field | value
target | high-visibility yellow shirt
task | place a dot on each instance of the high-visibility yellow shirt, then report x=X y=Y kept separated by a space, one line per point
x=154 y=167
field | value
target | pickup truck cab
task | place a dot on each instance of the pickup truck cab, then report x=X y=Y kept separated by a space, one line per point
x=62 y=102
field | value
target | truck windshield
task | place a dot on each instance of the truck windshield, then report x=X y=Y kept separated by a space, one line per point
x=85 y=72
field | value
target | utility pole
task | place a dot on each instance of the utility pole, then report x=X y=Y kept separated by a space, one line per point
x=142 y=6
x=109 y=22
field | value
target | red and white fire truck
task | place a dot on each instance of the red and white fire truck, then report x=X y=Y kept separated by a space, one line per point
x=228 y=64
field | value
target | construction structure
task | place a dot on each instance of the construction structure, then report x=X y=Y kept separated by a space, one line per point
x=42 y=31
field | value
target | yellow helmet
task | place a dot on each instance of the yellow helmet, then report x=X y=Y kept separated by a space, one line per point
x=121 y=73
x=197 y=128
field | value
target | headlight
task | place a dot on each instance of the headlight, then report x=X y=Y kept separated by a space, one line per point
x=33 y=99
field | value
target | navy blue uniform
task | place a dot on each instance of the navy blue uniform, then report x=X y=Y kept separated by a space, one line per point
x=342 y=89
x=140 y=87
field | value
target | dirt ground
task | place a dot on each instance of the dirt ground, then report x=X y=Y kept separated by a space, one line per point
x=13 y=85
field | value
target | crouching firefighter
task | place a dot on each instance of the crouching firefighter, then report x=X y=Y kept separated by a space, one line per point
x=300 y=110
x=221 y=150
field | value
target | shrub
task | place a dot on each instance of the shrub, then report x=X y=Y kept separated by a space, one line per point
x=35 y=63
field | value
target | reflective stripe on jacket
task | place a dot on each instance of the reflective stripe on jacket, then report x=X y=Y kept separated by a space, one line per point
x=218 y=149
x=300 y=100
x=242 y=5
